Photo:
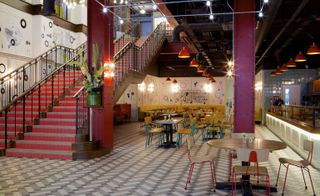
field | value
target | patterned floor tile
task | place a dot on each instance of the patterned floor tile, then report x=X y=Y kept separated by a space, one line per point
x=132 y=169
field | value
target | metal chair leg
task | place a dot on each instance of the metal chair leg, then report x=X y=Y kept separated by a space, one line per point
x=189 y=175
x=304 y=180
x=285 y=180
x=278 y=174
x=213 y=176
x=311 y=181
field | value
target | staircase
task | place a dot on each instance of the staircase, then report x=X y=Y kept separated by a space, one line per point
x=50 y=119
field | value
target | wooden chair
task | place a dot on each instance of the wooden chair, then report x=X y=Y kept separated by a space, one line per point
x=201 y=159
x=302 y=164
x=253 y=156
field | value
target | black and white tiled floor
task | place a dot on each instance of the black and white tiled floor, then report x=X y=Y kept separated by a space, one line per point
x=133 y=170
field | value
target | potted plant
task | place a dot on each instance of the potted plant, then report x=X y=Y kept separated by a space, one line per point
x=93 y=80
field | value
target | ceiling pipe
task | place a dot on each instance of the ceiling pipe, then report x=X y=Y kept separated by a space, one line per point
x=267 y=24
x=296 y=13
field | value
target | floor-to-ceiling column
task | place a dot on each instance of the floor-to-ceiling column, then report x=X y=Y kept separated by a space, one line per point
x=244 y=61
x=100 y=31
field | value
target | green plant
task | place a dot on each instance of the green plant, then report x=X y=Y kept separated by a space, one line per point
x=92 y=79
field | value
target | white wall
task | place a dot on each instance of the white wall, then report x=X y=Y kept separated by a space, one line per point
x=23 y=36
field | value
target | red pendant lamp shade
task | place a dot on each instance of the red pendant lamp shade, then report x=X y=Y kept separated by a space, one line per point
x=300 y=57
x=273 y=73
x=174 y=81
x=284 y=68
x=184 y=53
x=291 y=63
x=168 y=79
x=194 y=63
x=313 y=49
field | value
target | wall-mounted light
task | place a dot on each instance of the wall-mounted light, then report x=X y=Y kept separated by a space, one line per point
x=258 y=86
x=207 y=88
x=109 y=70
x=150 y=88
x=175 y=87
x=142 y=87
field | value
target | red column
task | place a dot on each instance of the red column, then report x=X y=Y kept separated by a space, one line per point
x=100 y=31
x=244 y=60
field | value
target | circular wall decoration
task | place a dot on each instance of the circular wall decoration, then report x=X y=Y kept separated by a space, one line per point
x=72 y=39
x=44 y=71
x=46 y=43
x=23 y=23
x=2 y=68
x=50 y=24
x=42 y=35
x=3 y=91
x=13 y=42
x=25 y=77
x=14 y=96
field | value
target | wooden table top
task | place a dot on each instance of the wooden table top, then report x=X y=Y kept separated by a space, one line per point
x=257 y=143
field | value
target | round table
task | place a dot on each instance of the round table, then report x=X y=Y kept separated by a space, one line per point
x=257 y=143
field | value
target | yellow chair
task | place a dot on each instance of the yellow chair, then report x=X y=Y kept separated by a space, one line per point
x=201 y=159
x=302 y=164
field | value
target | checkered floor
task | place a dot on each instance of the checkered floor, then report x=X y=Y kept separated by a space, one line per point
x=133 y=170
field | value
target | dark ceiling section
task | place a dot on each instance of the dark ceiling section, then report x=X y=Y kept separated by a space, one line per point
x=294 y=28
x=212 y=38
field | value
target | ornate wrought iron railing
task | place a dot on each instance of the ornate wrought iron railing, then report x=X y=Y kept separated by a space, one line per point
x=23 y=78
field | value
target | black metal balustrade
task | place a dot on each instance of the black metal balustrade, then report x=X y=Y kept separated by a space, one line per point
x=29 y=107
x=81 y=111
x=23 y=78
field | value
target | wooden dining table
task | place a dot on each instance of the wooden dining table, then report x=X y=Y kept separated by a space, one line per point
x=257 y=143
x=168 y=123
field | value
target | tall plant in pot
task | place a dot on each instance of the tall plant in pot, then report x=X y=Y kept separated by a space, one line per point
x=93 y=80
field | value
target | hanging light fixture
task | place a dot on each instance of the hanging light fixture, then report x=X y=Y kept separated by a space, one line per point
x=284 y=68
x=313 y=49
x=168 y=79
x=194 y=63
x=174 y=81
x=291 y=63
x=300 y=57
x=184 y=53
x=278 y=71
x=273 y=73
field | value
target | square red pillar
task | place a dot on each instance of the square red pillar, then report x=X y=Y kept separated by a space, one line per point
x=244 y=62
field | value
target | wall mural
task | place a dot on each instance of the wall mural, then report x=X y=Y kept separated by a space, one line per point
x=191 y=91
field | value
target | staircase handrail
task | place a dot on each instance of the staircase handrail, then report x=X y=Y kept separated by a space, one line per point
x=7 y=107
x=41 y=55
x=142 y=54
x=21 y=79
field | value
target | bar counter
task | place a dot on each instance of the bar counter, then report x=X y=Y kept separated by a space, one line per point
x=293 y=132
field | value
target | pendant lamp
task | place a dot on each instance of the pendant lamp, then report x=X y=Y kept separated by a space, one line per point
x=284 y=68
x=313 y=49
x=291 y=63
x=194 y=63
x=300 y=57
x=168 y=79
x=184 y=53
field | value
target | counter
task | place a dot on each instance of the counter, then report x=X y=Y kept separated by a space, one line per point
x=293 y=133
